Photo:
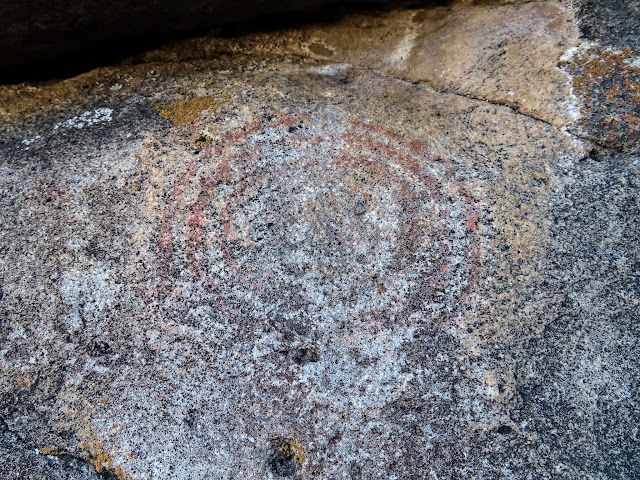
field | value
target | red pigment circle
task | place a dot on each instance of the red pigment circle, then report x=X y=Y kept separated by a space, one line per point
x=304 y=217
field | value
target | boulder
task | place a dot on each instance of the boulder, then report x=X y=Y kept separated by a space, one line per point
x=402 y=245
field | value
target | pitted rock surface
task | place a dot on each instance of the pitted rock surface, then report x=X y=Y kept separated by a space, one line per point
x=316 y=216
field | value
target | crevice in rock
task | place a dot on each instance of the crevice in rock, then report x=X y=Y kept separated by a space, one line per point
x=63 y=460
x=4 y=428
x=515 y=110
x=73 y=461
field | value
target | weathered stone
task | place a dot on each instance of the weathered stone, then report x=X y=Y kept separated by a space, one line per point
x=262 y=265
x=506 y=54
x=607 y=83
x=42 y=39
x=613 y=23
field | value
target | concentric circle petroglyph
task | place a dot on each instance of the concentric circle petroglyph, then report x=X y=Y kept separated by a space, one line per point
x=296 y=217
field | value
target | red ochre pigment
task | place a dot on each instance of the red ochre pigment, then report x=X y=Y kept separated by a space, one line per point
x=321 y=216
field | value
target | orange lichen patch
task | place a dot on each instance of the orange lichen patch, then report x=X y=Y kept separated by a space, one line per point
x=120 y=472
x=609 y=88
x=51 y=451
x=185 y=113
x=286 y=450
x=185 y=110
x=296 y=452
x=25 y=383
x=103 y=461
x=104 y=400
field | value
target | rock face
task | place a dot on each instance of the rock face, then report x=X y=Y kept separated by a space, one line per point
x=42 y=39
x=344 y=252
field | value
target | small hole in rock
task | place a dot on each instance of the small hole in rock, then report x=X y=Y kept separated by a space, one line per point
x=360 y=208
x=99 y=348
x=505 y=430
x=285 y=457
x=305 y=355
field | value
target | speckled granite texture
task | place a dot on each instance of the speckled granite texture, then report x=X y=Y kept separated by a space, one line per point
x=336 y=252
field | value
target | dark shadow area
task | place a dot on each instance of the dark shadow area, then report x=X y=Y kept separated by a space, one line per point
x=48 y=40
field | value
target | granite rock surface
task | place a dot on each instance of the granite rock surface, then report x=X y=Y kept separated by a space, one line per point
x=404 y=245
x=40 y=39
